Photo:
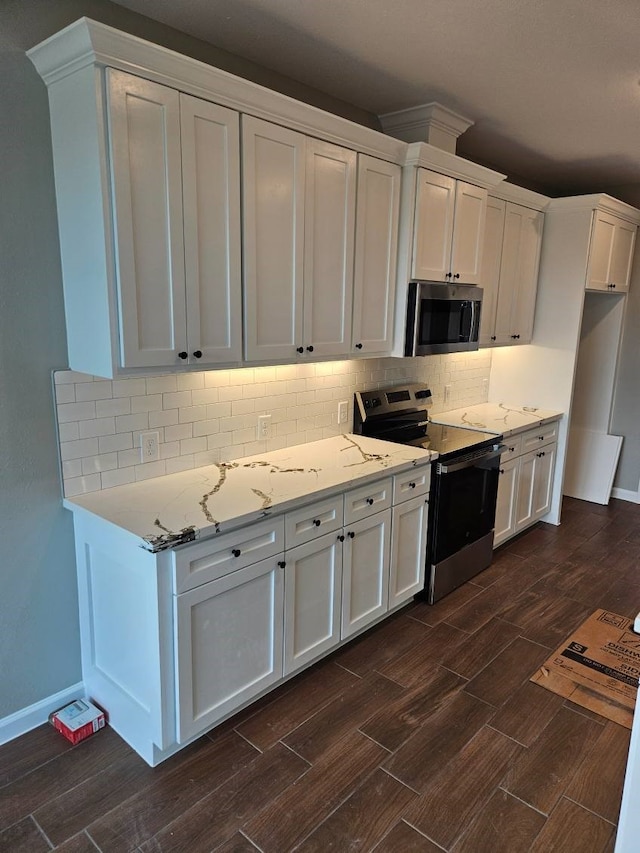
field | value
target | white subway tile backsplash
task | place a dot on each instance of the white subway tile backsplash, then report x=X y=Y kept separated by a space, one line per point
x=207 y=417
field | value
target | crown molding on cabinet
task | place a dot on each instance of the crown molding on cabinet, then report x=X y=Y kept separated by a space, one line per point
x=521 y=196
x=596 y=201
x=88 y=42
x=430 y=157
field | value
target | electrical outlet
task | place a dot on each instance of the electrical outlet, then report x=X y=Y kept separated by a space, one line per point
x=447 y=393
x=264 y=427
x=149 y=449
x=343 y=412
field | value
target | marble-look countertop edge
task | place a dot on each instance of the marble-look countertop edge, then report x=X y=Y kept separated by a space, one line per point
x=452 y=418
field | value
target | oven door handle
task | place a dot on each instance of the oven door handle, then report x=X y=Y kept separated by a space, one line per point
x=471 y=463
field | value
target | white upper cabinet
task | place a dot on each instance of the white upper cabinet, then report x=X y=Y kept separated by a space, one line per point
x=511 y=256
x=610 y=253
x=449 y=229
x=376 y=253
x=273 y=160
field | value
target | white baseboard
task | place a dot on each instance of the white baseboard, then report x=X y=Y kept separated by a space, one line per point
x=626 y=495
x=34 y=715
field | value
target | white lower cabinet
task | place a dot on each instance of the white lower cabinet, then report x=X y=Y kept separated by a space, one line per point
x=228 y=641
x=312 y=595
x=365 y=572
x=526 y=477
x=408 y=550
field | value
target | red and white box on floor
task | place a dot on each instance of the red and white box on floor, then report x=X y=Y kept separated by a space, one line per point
x=78 y=720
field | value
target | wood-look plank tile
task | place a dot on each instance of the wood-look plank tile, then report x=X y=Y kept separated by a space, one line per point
x=571 y=827
x=413 y=667
x=405 y=839
x=526 y=714
x=503 y=563
x=397 y=720
x=541 y=775
x=385 y=641
x=433 y=614
x=24 y=837
x=29 y=751
x=364 y=817
x=483 y=607
x=511 y=668
x=346 y=713
x=214 y=819
x=31 y=791
x=177 y=785
x=546 y=619
x=470 y=656
x=598 y=783
x=238 y=844
x=622 y=597
x=505 y=826
x=291 y=816
x=454 y=796
x=438 y=740
x=312 y=692
x=80 y=843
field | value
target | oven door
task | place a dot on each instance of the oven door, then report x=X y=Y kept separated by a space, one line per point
x=463 y=505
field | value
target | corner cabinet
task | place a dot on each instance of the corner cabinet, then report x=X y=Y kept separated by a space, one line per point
x=511 y=257
x=162 y=265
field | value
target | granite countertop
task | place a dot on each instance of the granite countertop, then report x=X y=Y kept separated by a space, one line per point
x=497 y=418
x=177 y=508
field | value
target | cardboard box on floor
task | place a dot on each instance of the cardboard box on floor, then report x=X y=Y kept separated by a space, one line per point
x=597 y=667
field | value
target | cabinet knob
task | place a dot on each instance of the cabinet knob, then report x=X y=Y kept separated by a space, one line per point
x=370 y=501
x=183 y=355
x=493 y=337
x=236 y=552
x=197 y=353
x=502 y=470
x=540 y=454
x=317 y=522
x=541 y=438
x=412 y=485
x=514 y=337
x=300 y=349
x=358 y=346
x=340 y=538
x=281 y=564
x=448 y=275
x=351 y=534
x=457 y=275
x=310 y=349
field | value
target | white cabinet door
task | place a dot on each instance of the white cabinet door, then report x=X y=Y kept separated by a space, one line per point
x=610 y=253
x=543 y=480
x=408 y=550
x=228 y=637
x=490 y=270
x=273 y=159
x=329 y=232
x=505 y=525
x=144 y=140
x=525 y=493
x=312 y=593
x=519 y=274
x=433 y=231
x=376 y=248
x=211 y=193
x=468 y=233
x=365 y=572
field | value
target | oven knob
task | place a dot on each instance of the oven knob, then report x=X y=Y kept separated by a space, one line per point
x=376 y=401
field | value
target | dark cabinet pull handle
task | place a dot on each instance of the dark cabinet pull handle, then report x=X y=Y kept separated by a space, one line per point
x=340 y=538
x=457 y=275
x=358 y=346
x=317 y=522
x=502 y=470
x=511 y=449
x=310 y=349
x=493 y=337
x=541 y=437
x=183 y=354
x=449 y=275
x=540 y=454
x=197 y=353
x=236 y=552
x=300 y=349
x=351 y=534
x=281 y=564
x=370 y=501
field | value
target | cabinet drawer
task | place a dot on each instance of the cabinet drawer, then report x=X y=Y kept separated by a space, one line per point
x=366 y=500
x=197 y=564
x=312 y=521
x=411 y=484
x=539 y=437
x=512 y=447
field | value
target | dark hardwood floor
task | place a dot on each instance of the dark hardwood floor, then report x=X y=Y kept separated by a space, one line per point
x=423 y=735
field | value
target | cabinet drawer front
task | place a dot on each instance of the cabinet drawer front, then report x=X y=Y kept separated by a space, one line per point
x=411 y=484
x=194 y=565
x=539 y=437
x=512 y=447
x=366 y=500
x=308 y=523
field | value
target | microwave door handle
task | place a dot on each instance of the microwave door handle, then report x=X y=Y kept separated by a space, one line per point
x=473 y=316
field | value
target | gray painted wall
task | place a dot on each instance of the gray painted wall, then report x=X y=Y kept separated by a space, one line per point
x=39 y=638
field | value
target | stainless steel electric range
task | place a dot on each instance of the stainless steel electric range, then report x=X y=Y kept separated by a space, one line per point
x=464 y=481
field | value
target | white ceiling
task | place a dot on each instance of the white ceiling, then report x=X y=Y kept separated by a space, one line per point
x=553 y=86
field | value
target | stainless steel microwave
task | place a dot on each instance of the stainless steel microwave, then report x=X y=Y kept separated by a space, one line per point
x=442 y=318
